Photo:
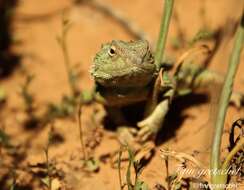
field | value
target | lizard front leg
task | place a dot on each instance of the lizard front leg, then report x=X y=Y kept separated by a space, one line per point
x=157 y=112
x=151 y=125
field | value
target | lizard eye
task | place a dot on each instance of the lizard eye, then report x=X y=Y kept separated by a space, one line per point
x=111 y=51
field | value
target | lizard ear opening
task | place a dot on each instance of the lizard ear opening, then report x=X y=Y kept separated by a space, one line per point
x=111 y=51
x=151 y=58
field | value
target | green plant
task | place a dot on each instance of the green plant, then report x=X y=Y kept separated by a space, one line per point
x=26 y=95
x=68 y=104
x=81 y=133
x=167 y=12
x=223 y=104
x=48 y=179
x=62 y=41
x=119 y=169
x=166 y=160
x=137 y=184
x=65 y=108
x=31 y=118
x=177 y=179
x=90 y=164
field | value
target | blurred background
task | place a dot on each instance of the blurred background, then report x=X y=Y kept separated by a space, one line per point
x=33 y=74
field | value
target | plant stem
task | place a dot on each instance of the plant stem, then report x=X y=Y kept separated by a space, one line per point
x=224 y=100
x=67 y=65
x=63 y=43
x=48 y=166
x=119 y=168
x=167 y=171
x=167 y=12
x=81 y=133
x=128 y=174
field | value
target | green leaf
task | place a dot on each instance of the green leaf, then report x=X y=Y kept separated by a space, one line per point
x=87 y=96
x=92 y=165
x=141 y=185
x=46 y=181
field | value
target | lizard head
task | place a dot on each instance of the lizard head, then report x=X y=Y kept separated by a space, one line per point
x=124 y=64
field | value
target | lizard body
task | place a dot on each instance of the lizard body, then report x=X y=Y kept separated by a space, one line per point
x=125 y=73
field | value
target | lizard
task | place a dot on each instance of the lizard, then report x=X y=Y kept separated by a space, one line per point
x=125 y=74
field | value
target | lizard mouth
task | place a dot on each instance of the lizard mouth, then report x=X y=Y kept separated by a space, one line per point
x=107 y=74
x=126 y=76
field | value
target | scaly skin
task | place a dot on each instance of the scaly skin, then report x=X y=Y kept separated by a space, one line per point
x=125 y=73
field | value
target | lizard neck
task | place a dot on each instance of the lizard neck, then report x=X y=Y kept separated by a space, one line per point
x=123 y=96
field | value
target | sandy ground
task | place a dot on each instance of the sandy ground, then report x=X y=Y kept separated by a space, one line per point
x=42 y=57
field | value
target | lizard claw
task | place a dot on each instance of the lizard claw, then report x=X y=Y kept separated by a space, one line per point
x=151 y=125
x=148 y=130
x=126 y=135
